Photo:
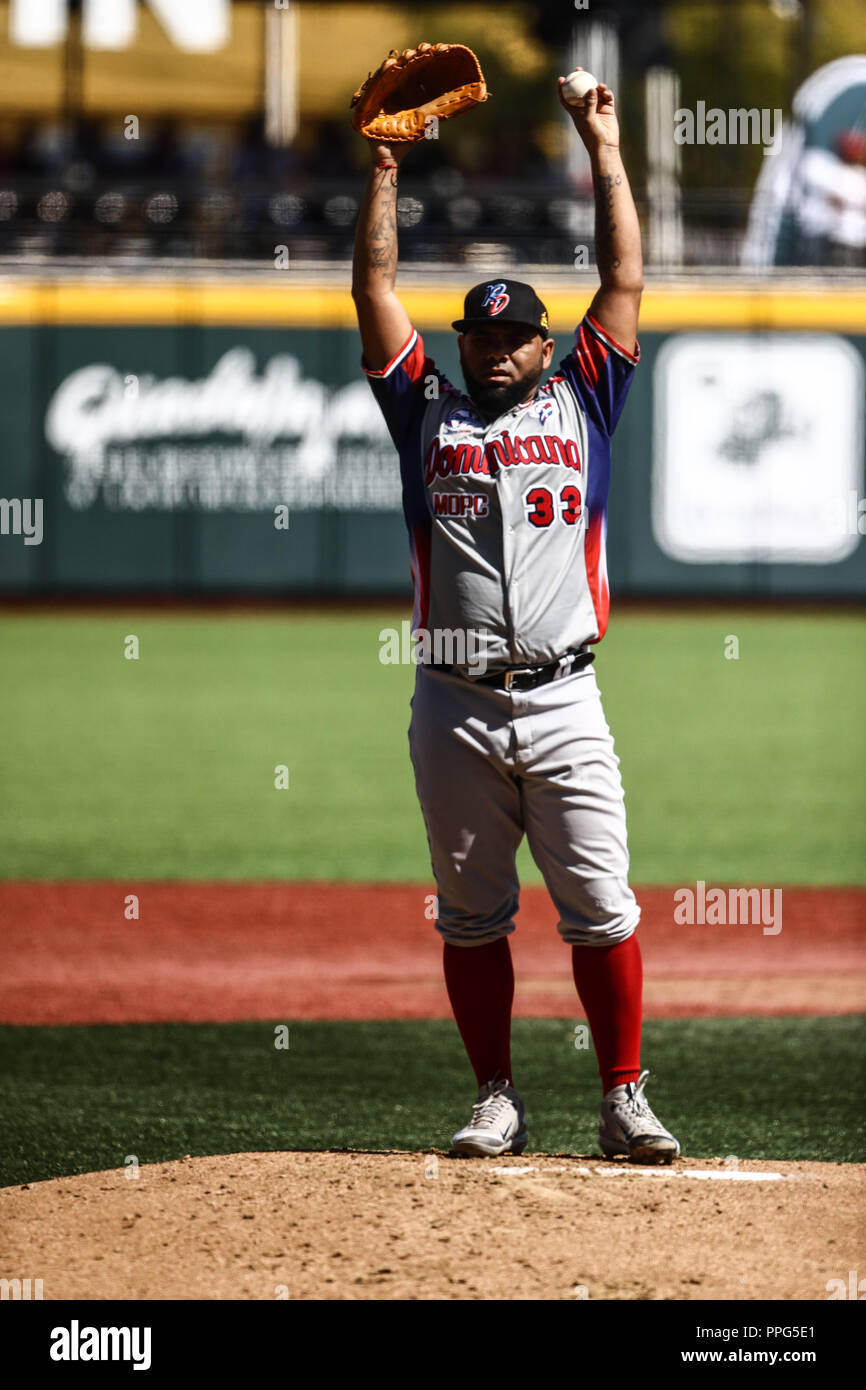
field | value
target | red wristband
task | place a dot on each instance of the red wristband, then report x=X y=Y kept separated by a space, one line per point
x=387 y=164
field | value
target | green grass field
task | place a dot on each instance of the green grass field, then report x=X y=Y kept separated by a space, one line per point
x=83 y=1099
x=745 y=771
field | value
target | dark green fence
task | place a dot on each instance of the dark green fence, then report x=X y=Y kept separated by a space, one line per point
x=196 y=459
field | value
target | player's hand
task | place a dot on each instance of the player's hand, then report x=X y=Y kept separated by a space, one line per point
x=381 y=151
x=595 y=122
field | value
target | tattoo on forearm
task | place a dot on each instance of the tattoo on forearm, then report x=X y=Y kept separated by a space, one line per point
x=605 y=225
x=382 y=231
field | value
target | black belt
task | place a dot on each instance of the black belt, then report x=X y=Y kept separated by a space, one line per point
x=530 y=677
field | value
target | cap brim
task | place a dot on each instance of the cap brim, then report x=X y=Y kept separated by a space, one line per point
x=462 y=324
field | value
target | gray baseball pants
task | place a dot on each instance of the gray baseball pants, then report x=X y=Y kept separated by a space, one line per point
x=492 y=765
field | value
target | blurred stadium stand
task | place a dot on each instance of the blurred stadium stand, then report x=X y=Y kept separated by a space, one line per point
x=444 y=219
x=207 y=178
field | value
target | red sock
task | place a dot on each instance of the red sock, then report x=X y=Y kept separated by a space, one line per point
x=609 y=981
x=480 y=984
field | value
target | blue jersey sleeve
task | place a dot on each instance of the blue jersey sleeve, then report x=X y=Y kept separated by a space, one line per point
x=599 y=371
x=405 y=387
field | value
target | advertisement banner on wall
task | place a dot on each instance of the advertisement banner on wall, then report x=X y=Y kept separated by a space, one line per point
x=758 y=448
x=238 y=438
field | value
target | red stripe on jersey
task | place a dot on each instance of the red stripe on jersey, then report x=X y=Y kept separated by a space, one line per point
x=411 y=355
x=420 y=566
x=596 y=571
x=414 y=363
x=591 y=355
x=632 y=356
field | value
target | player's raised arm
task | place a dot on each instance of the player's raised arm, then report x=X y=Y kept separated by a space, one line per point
x=617 y=230
x=383 y=321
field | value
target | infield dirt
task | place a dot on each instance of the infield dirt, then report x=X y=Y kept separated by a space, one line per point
x=223 y=951
x=427 y=1226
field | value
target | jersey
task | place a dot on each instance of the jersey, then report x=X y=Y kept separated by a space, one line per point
x=507 y=519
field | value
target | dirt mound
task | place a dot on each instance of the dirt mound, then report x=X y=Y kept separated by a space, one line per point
x=427 y=1226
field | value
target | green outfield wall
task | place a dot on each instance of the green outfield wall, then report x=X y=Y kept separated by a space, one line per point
x=205 y=437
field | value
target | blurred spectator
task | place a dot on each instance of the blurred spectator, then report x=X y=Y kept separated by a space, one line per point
x=830 y=211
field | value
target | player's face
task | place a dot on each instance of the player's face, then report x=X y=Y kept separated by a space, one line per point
x=502 y=364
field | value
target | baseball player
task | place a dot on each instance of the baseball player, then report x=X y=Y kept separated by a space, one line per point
x=505 y=489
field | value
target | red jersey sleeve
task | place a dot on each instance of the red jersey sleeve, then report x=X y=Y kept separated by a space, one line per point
x=405 y=387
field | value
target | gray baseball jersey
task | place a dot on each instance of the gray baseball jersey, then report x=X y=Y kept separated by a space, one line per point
x=507 y=520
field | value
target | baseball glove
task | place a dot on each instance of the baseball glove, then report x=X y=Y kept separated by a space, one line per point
x=396 y=101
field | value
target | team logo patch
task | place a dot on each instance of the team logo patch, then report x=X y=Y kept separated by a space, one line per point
x=462 y=419
x=496 y=298
x=543 y=409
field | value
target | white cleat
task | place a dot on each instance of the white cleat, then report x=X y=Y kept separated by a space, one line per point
x=497 y=1125
x=628 y=1126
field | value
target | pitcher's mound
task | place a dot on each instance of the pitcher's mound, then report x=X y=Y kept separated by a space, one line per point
x=430 y=1226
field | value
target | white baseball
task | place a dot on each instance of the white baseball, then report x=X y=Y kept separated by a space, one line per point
x=576 y=86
